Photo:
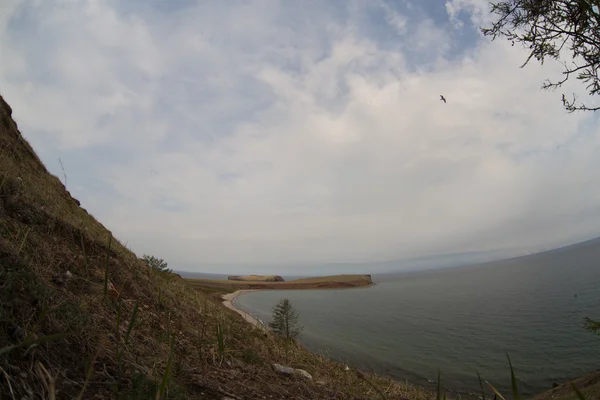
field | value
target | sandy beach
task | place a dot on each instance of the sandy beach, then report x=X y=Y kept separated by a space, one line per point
x=229 y=302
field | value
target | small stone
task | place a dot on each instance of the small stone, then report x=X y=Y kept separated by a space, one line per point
x=291 y=371
x=16 y=333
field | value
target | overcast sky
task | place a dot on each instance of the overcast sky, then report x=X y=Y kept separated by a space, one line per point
x=299 y=132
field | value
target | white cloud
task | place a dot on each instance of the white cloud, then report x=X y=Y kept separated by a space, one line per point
x=262 y=133
x=478 y=10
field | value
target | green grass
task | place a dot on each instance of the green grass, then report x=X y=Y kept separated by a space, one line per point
x=167 y=374
x=481 y=386
x=513 y=381
x=85 y=258
x=107 y=265
x=220 y=340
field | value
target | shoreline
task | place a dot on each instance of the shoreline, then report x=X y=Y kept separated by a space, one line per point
x=229 y=302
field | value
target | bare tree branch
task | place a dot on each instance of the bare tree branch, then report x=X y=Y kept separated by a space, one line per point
x=553 y=29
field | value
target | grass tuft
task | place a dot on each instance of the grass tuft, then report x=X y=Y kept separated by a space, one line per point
x=220 y=339
x=107 y=264
x=85 y=258
x=362 y=377
x=131 y=321
x=513 y=381
x=167 y=374
x=89 y=372
x=481 y=386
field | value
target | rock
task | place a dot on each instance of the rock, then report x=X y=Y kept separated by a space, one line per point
x=15 y=332
x=58 y=280
x=61 y=279
x=291 y=371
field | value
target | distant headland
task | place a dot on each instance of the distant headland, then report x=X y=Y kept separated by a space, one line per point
x=262 y=282
x=256 y=278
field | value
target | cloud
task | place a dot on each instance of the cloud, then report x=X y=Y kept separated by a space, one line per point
x=272 y=132
x=477 y=10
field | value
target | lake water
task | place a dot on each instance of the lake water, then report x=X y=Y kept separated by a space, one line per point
x=461 y=320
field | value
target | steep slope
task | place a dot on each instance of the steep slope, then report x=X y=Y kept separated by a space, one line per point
x=81 y=315
x=589 y=385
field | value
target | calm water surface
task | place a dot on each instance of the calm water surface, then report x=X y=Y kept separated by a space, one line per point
x=460 y=320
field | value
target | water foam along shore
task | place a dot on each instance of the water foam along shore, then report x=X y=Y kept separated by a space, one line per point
x=229 y=302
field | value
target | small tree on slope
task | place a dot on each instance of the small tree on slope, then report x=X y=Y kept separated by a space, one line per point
x=285 y=320
x=156 y=264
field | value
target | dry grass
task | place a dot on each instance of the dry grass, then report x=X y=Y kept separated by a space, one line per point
x=150 y=334
x=589 y=385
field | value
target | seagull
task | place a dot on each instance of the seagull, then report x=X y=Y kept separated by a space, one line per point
x=442 y=98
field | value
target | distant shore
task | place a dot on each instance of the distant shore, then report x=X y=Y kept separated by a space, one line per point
x=321 y=282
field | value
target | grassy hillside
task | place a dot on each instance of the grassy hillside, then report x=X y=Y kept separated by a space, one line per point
x=83 y=317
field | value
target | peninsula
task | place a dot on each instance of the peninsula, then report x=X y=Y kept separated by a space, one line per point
x=257 y=282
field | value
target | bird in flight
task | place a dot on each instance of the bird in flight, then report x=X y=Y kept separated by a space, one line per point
x=442 y=98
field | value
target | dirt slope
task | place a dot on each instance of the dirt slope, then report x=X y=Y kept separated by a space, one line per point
x=67 y=331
